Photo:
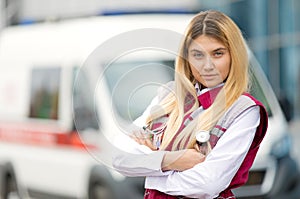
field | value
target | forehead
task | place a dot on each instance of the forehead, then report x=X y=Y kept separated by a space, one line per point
x=206 y=43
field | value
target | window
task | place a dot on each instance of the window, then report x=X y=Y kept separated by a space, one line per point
x=44 y=93
x=85 y=116
x=134 y=84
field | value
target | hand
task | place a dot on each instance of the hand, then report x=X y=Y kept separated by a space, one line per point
x=143 y=138
x=181 y=160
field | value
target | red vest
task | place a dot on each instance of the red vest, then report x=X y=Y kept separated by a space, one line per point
x=241 y=176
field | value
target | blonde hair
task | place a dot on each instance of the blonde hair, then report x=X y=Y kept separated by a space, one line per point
x=218 y=26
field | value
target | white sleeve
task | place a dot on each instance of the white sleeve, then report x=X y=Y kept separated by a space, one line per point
x=209 y=178
x=136 y=159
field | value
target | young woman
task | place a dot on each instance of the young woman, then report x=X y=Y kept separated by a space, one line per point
x=208 y=127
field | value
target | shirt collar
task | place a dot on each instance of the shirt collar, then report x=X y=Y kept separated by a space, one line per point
x=207 y=96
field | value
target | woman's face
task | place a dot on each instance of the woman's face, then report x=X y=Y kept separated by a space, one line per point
x=210 y=61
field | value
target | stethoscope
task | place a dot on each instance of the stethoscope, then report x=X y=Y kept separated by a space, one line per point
x=156 y=134
x=202 y=138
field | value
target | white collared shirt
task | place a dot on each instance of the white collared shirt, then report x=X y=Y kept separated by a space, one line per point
x=201 y=91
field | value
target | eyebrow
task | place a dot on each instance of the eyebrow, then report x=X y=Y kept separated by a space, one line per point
x=196 y=50
x=221 y=48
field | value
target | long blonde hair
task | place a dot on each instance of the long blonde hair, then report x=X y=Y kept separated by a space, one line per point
x=218 y=26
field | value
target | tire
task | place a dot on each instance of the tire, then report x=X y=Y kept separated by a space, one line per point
x=100 y=191
x=8 y=183
x=101 y=185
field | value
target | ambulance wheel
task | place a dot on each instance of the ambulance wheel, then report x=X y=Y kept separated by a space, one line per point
x=101 y=185
x=8 y=183
x=100 y=191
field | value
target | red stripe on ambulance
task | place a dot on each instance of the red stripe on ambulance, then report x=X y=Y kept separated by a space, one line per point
x=42 y=136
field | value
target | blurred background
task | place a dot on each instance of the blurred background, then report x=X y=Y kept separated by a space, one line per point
x=271 y=28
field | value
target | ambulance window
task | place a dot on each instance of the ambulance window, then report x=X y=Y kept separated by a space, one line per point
x=44 y=93
x=134 y=84
x=83 y=105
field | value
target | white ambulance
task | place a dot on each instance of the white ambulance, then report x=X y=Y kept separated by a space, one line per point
x=65 y=85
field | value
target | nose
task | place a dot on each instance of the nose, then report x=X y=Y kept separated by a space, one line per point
x=209 y=65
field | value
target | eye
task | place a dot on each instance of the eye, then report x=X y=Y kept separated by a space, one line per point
x=197 y=55
x=218 y=54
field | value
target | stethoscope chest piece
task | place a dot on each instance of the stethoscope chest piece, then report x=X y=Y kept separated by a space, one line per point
x=202 y=136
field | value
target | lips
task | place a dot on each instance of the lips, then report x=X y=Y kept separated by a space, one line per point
x=208 y=76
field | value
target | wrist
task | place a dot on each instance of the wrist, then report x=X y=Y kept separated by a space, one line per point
x=169 y=159
x=165 y=166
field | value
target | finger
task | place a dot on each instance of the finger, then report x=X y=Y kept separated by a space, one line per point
x=150 y=144
x=196 y=147
x=136 y=134
x=139 y=134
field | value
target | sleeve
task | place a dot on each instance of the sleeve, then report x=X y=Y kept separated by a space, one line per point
x=209 y=178
x=135 y=159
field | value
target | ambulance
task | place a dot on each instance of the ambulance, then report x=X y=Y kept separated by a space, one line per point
x=66 y=85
